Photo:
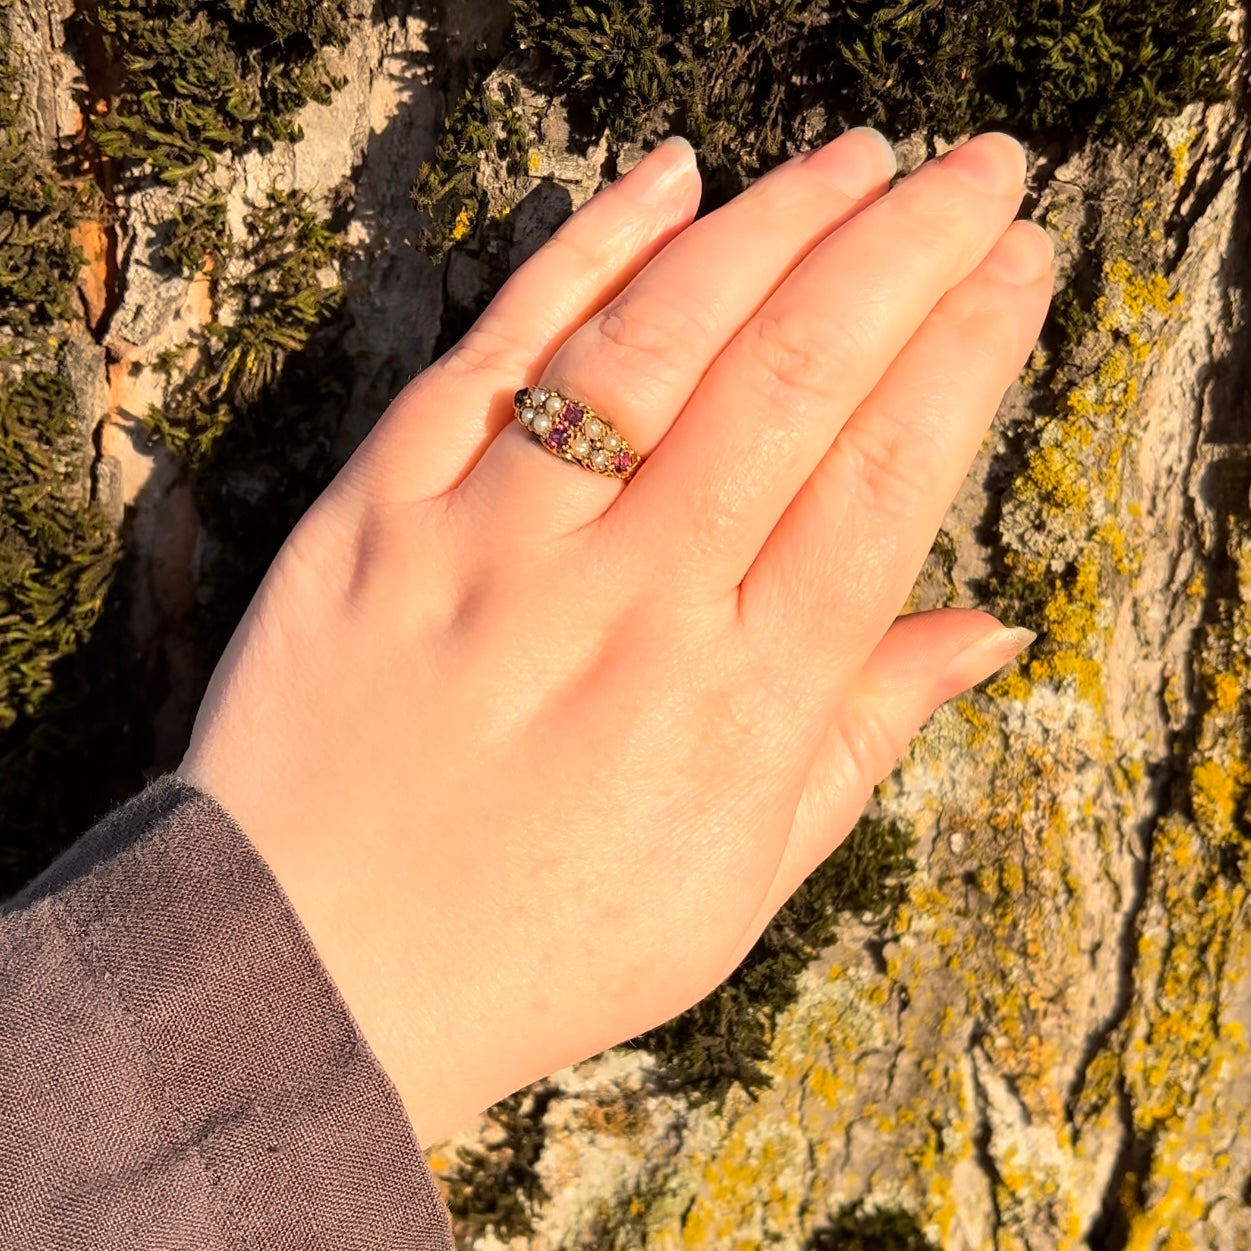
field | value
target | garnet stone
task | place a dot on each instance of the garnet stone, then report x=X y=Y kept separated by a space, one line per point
x=621 y=462
x=522 y=396
x=557 y=437
x=571 y=414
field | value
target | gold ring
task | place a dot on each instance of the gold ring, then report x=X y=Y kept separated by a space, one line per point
x=575 y=431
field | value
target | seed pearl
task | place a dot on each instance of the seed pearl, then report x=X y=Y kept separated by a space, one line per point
x=527 y=415
x=600 y=459
x=611 y=442
x=537 y=395
x=594 y=428
x=553 y=404
x=580 y=447
x=542 y=423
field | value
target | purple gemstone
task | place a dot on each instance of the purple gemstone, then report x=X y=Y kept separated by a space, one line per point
x=621 y=462
x=572 y=414
x=557 y=437
x=522 y=396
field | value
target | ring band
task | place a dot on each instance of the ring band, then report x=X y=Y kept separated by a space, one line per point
x=575 y=431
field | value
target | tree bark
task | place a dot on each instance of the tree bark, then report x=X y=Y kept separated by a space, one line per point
x=1046 y=1045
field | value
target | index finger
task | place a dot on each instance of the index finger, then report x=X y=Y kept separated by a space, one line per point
x=435 y=430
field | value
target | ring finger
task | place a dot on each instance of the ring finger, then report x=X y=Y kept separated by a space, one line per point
x=638 y=360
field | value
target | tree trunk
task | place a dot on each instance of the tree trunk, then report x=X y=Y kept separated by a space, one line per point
x=1038 y=1037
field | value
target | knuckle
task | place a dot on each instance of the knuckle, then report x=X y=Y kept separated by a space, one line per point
x=974 y=316
x=645 y=351
x=870 y=744
x=630 y=335
x=798 y=358
x=486 y=347
x=652 y=329
x=730 y=719
x=787 y=352
x=711 y=530
x=743 y=711
x=888 y=467
x=583 y=246
x=935 y=217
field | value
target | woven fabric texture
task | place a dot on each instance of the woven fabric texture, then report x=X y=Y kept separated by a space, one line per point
x=177 y=1069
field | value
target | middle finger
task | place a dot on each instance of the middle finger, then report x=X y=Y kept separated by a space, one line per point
x=638 y=360
x=774 y=401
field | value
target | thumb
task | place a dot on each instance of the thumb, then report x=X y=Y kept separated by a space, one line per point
x=923 y=660
x=927 y=658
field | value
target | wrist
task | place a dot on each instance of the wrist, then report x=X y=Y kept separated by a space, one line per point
x=419 y=1008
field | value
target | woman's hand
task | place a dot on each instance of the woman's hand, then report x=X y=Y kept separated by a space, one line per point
x=536 y=754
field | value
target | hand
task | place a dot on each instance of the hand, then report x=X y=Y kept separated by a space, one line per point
x=537 y=754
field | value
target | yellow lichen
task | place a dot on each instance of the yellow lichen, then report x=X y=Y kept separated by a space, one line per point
x=1180 y=152
x=462 y=225
x=1135 y=295
x=1009 y=684
x=1225 y=691
x=1050 y=471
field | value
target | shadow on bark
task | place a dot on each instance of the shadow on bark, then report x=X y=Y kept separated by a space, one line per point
x=91 y=744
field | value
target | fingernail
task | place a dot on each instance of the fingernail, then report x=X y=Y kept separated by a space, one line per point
x=987 y=656
x=1024 y=252
x=882 y=142
x=993 y=162
x=667 y=164
x=858 y=166
x=881 y=169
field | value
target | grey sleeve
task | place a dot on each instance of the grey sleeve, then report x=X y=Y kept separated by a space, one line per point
x=177 y=1069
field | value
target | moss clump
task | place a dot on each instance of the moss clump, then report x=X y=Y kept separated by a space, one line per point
x=55 y=549
x=500 y=1187
x=57 y=553
x=199 y=77
x=198 y=234
x=256 y=413
x=723 y=1038
x=855 y=1228
x=747 y=80
x=724 y=72
x=273 y=280
x=38 y=260
x=57 y=558
x=480 y=121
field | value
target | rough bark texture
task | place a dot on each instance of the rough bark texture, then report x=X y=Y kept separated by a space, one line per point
x=1045 y=1044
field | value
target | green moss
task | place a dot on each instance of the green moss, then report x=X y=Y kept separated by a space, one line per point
x=722 y=1039
x=55 y=550
x=748 y=80
x=273 y=278
x=58 y=555
x=198 y=77
x=38 y=260
x=57 y=558
x=198 y=234
x=256 y=414
x=191 y=80
x=500 y=1186
x=446 y=188
x=747 y=69
x=254 y=419
x=856 y=1228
